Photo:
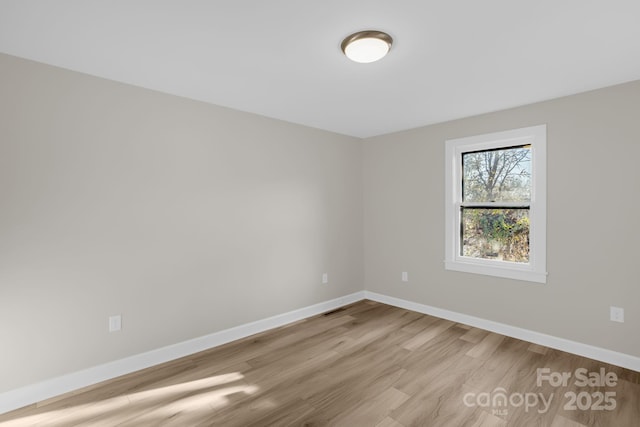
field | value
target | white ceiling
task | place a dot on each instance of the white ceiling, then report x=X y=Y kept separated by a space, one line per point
x=282 y=58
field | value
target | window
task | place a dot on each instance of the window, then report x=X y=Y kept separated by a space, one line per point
x=496 y=204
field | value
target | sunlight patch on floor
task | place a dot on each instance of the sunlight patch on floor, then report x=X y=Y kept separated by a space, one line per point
x=162 y=392
x=161 y=402
x=193 y=405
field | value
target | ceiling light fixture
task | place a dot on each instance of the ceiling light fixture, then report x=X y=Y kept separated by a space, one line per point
x=367 y=46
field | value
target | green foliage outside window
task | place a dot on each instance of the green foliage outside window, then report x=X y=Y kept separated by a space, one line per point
x=501 y=234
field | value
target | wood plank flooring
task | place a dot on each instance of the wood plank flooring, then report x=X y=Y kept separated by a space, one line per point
x=368 y=364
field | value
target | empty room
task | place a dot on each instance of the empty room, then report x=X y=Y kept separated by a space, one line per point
x=292 y=213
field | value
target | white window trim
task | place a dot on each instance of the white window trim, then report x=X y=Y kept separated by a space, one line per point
x=536 y=269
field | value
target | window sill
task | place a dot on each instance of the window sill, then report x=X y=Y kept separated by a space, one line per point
x=524 y=274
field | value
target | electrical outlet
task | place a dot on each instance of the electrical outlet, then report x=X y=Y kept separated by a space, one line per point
x=405 y=276
x=115 y=323
x=325 y=278
x=617 y=314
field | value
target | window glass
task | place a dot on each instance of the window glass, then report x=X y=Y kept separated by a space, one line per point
x=497 y=175
x=501 y=234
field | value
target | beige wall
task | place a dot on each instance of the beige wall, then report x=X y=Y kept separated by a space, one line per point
x=184 y=217
x=593 y=143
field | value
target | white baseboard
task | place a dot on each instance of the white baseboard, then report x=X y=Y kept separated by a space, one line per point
x=47 y=389
x=585 y=350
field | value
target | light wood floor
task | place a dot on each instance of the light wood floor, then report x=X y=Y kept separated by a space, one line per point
x=368 y=364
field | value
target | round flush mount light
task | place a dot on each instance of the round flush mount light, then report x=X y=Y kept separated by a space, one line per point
x=367 y=46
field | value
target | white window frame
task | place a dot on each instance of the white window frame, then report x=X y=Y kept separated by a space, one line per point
x=536 y=269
